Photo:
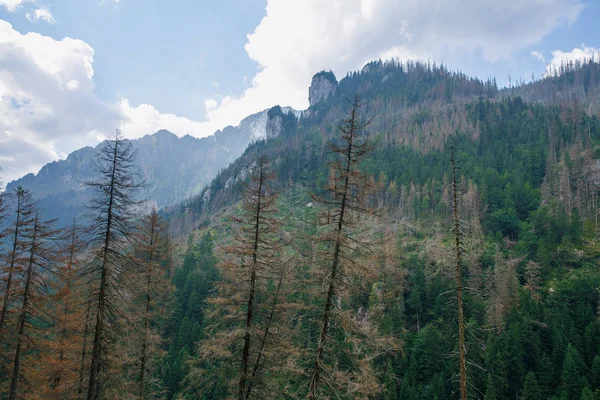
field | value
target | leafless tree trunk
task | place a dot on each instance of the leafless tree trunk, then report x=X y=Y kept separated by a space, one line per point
x=41 y=257
x=348 y=197
x=112 y=211
x=459 y=295
x=20 y=229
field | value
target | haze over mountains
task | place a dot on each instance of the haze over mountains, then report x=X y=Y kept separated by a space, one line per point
x=174 y=168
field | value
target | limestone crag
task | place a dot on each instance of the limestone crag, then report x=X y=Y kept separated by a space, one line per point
x=322 y=86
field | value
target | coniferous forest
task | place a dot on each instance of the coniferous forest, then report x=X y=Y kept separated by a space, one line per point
x=419 y=234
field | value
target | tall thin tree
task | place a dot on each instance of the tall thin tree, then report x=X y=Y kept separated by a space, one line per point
x=111 y=211
x=65 y=306
x=41 y=256
x=153 y=254
x=345 y=246
x=248 y=311
x=19 y=233
x=459 y=287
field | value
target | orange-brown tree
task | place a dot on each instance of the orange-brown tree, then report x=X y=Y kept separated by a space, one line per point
x=57 y=375
x=345 y=246
x=249 y=338
x=112 y=211
x=19 y=233
x=41 y=257
x=153 y=256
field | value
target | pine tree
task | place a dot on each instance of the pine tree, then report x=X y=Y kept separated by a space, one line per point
x=65 y=306
x=41 y=256
x=595 y=372
x=153 y=254
x=344 y=249
x=573 y=373
x=19 y=233
x=531 y=391
x=248 y=321
x=459 y=286
x=111 y=211
x=587 y=394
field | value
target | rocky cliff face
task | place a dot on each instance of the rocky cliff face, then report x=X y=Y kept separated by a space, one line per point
x=274 y=126
x=174 y=169
x=322 y=86
x=274 y=122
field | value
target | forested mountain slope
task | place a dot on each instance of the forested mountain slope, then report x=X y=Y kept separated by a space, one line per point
x=528 y=184
x=328 y=260
x=415 y=111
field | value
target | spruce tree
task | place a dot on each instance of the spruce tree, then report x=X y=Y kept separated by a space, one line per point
x=573 y=373
x=19 y=233
x=41 y=256
x=344 y=245
x=65 y=306
x=153 y=255
x=531 y=391
x=112 y=211
x=249 y=337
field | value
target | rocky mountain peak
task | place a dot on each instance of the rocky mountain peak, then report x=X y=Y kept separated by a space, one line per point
x=274 y=122
x=322 y=86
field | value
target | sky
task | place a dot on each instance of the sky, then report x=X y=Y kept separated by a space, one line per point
x=71 y=71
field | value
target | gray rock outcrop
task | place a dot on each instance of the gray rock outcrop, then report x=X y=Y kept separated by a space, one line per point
x=322 y=86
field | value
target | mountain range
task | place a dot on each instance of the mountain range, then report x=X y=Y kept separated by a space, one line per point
x=479 y=193
x=173 y=168
x=413 y=103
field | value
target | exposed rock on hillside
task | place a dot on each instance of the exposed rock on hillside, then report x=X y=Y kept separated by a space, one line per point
x=322 y=86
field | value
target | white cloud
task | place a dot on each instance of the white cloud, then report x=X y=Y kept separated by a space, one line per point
x=45 y=118
x=47 y=107
x=296 y=39
x=11 y=5
x=210 y=104
x=41 y=13
x=145 y=119
x=538 y=56
x=560 y=58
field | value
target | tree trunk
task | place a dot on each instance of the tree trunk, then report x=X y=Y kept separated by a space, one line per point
x=250 y=309
x=13 y=256
x=83 y=350
x=23 y=317
x=93 y=385
x=264 y=338
x=144 y=357
x=457 y=263
x=314 y=382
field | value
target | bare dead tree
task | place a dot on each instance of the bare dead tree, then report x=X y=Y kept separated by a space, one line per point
x=112 y=210
x=19 y=232
x=345 y=245
x=459 y=295
x=256 y=241
x=249 y=313
x=42 y=254
x=65 y=306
